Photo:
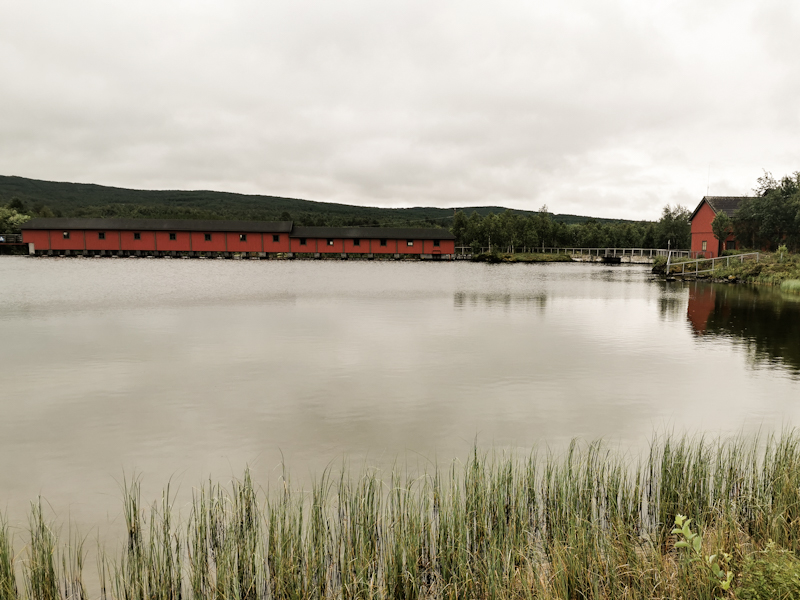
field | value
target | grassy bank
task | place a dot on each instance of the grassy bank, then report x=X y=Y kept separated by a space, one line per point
x=771 y=269
x=528 y=257
x=592 y=523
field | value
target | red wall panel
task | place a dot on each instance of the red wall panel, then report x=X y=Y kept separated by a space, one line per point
x=336 y=245
x=447 y=246
x=404 y=248
x=201 y=244
x=93 y=241
x=350 y=246
x=39 y=239
x=74 y=242
x=146 y=243
x=389 y=248
x=310 y=245
x=181 y=243
x=251 y=243
x=444 y=247
x=282 y=245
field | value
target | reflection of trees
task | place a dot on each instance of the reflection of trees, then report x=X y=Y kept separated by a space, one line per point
x=671 y=301
x=461 y=299
x=768 y=322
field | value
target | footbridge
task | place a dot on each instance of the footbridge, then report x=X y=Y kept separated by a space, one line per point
x=603 y=255
x=690 y=268
x=618 y=255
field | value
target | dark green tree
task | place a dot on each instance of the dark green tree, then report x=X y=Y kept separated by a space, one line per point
x=772 y=217
x=674 y=229
x=722 y=227
x=459 y=228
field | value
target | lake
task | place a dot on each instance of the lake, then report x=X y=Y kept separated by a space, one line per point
x=187 y=369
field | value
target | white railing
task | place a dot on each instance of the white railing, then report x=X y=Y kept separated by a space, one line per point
x=708 y=264
x=644 y=252
x=648 y=252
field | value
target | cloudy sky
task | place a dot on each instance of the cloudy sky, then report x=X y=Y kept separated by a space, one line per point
x=610 y=108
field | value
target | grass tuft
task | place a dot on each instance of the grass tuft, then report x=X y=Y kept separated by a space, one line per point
x=791 y=286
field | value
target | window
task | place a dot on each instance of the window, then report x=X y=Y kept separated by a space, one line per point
x=208 y=237
x=356 y=242
x=330 y=242
x=242 y=237
x=730 y=245
x=435 y=243
x=173 y=236
x=101 y=235
x=276 y=238
x=409 y=242
x=137 y=236
x=705 y=244
x=383 y=242
x=302 y=241
x=66 y=235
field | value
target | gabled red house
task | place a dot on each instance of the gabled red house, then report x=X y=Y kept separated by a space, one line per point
x=703 y=241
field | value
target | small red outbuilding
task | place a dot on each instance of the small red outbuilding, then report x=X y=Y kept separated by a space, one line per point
x=703 y=241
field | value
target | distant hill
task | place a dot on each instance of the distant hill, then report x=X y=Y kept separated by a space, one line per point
x=90 y=200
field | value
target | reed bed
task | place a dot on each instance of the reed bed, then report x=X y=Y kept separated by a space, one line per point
x=791 y=286
x=589 y=523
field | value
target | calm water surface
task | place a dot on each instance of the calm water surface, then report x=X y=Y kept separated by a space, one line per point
x=188 y=369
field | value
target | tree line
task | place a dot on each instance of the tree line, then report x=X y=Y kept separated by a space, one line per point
x=507 y=230
x=769 y=219
x=511 y=232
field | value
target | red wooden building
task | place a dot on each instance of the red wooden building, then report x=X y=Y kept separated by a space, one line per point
x=182 y=237
x=703 y=241
x=424 y=243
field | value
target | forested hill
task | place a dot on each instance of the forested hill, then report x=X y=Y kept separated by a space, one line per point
x=50 y=198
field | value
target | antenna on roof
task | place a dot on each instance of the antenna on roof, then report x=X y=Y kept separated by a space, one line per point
x=708 y=178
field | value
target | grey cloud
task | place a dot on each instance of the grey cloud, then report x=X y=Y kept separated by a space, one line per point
x=611 y=109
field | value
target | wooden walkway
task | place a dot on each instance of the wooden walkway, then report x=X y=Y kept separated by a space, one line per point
x=10 y=239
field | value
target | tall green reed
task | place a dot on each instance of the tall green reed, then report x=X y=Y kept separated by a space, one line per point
x=589 y=522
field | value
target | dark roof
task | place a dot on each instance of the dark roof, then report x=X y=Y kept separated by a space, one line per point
x=161 y=225
x=726 y=204
x=395 y=233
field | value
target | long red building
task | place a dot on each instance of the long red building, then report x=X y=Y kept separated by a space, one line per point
x=185 y=237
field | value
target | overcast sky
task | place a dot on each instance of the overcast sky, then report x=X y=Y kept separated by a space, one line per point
x=609 y=108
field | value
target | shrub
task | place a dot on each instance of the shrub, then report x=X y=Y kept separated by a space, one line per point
x=770 y=575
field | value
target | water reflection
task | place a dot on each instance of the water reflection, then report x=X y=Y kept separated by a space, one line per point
x=195 y=369
x=671 y=301
x=474 y=299
x=767 y=321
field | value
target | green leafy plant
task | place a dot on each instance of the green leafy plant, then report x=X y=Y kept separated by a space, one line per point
x=771 y=574
x=717 y=564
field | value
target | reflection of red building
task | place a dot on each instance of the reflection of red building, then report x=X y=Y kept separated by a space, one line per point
x=702 y=298
x=703 y=240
